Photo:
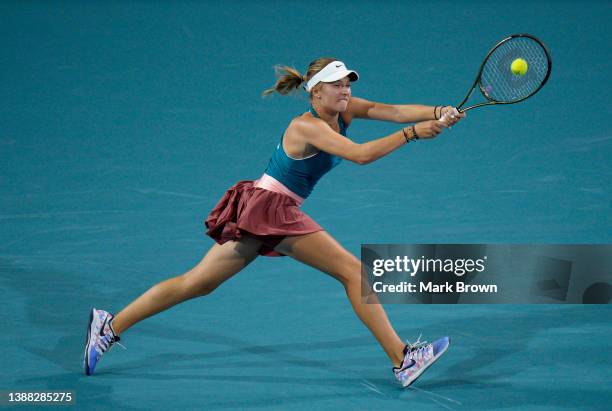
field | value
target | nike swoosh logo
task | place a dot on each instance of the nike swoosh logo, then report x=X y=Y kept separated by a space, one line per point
x=338 y=65
x=104 y=325
x=405 y=367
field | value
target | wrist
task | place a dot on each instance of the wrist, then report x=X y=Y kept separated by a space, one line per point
x=437 y=112
x=414 y=132
x=406 y=135
x=410 y=134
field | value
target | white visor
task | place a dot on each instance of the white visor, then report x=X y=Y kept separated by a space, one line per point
x=332 y=72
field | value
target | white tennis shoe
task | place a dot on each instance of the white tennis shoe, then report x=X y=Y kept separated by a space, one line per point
x=419 y=356
x=100 y=337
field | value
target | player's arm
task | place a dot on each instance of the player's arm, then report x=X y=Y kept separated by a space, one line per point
x=320 y=135
x=396 y=113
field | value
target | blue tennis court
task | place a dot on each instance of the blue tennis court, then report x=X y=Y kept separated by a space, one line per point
x=123 y=123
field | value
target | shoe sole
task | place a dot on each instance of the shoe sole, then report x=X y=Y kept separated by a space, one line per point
x=430 y=364
x=87 y=343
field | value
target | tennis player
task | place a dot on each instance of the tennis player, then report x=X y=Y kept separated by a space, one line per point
x=263 y=217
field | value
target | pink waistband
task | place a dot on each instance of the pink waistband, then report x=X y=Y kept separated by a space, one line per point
x=270 y=183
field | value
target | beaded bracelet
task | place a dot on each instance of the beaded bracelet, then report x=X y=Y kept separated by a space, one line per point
x=415 y=136
x=405 y=135
x=414 y=133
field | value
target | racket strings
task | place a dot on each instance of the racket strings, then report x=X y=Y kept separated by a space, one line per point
x=498 y=83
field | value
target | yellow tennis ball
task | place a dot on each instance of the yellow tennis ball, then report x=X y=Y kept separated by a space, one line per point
x=519 y=67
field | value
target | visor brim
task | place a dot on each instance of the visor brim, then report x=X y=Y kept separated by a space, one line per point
x=352 y=75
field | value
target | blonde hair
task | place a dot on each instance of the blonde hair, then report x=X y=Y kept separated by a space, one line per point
x=288 y=78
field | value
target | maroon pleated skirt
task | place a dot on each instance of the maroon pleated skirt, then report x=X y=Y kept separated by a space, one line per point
x=264 y=214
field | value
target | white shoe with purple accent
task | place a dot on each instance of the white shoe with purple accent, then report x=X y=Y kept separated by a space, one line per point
x=419 y=356
x=100 y=337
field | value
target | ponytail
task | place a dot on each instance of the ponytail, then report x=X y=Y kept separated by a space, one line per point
x=288 y=81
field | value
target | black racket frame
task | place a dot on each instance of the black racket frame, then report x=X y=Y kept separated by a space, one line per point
x=491 y=101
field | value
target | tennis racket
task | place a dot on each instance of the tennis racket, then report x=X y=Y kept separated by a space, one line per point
x=496 y=80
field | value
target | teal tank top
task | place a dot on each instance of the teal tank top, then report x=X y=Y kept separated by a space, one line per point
x=300 y=176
